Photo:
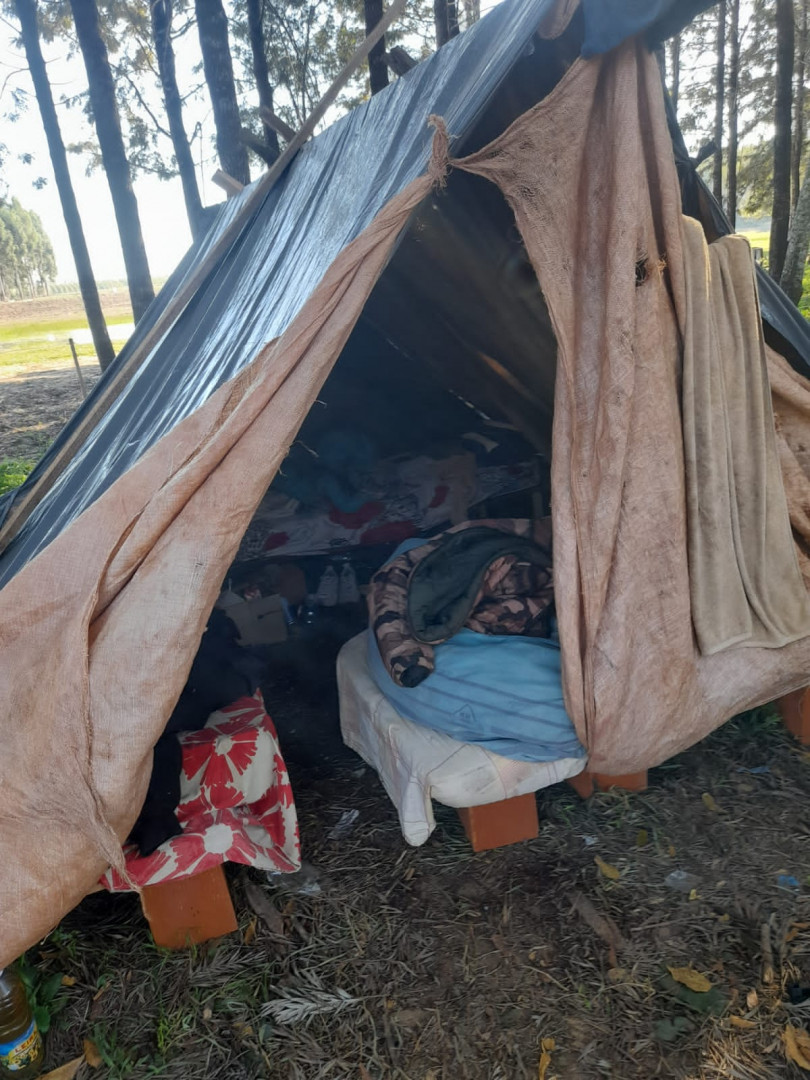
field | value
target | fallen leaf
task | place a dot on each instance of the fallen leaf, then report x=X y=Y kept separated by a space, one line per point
x=68 y=980
x=64 y=1072
x=617 y=974
x=243 y=1029
x=797 y=1046
x=671 y=851
x=687 y=976
x=250 y=933
x=725 y=917
x=602 y=925
x=742 y=1023
x=606 y=869
x=262 y=905
x=546 y=1046
x=207 y=1012
x=91 y=1054
x=709 y=803
x=642 y=838
x=693 y=894
x=752 y=999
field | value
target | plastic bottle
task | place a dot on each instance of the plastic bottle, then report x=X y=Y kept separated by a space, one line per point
x=21 y=1049
x=328 y=587
x=348 y=593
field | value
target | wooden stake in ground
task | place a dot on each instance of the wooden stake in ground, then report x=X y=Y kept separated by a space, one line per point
x=79 y=375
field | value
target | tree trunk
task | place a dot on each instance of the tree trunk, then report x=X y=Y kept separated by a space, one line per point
x=719 y=101
x=675 y=70
x=472 y=12
x=780 y=214
x=161 y=12
x=798 y=244
x=445 y=16
x=733 y=110
x=27 y=14
x=113 y=153
x=798 y=113
x=213 y=29
x=377 y=67
x=260 y=72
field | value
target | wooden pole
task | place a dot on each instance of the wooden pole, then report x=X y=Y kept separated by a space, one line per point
x=276 y=123
x=253 y=197
x=228 y=183
x=79 y=375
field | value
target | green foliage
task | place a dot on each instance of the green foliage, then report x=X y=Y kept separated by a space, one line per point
x=27 y=261
x=307 y=43
x=12 y=473
x=45 y=992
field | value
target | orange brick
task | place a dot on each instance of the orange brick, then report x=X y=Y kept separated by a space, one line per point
x=795 y=711
x=500 y=823
x=585 y=783
x=636 y=781
x=189 y=911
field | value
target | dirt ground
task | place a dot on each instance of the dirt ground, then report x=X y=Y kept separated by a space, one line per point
x=36 y=402
x=47 y=308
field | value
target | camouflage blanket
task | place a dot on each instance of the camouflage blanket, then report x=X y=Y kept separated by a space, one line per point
x=494 y=577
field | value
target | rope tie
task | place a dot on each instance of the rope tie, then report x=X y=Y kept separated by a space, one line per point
x=440 y=162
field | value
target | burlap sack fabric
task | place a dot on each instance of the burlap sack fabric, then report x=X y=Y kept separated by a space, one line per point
x=98 y=632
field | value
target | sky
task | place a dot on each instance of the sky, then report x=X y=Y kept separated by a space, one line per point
x=160 y=202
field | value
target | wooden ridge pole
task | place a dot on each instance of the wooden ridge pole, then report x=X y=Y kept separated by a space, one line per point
x=254 y=196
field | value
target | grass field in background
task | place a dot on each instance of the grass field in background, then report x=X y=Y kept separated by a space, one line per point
x=761 y=238
x=47 y=342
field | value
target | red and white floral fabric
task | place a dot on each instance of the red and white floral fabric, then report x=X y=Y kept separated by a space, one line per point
x=236 y=803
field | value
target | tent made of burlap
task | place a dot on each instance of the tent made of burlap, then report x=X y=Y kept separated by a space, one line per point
x=551 y=159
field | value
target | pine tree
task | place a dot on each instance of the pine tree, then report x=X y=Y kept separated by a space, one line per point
x=26 y=11
x=377 y=66
x=113 y=153
x=161 y=19
x=780 y=213
x=212 y=26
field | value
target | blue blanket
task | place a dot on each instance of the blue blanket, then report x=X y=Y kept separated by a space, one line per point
x=504 y=693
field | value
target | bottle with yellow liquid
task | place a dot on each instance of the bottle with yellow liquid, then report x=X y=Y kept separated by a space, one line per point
x=21 y=1049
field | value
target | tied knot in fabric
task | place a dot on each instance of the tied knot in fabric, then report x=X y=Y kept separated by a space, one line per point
x=440 y=162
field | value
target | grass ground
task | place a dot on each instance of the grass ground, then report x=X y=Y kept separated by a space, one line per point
x=38 y=388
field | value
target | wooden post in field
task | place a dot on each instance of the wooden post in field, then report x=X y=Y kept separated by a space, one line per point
x=79 y=375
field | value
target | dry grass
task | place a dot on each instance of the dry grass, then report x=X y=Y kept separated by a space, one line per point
x=437 y=964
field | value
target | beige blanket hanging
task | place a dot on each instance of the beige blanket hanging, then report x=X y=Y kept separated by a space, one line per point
x=745 y=582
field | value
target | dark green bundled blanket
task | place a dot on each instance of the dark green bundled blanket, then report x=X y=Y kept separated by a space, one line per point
x=494 y=577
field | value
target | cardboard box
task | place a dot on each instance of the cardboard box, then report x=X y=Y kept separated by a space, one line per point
x=259 y=622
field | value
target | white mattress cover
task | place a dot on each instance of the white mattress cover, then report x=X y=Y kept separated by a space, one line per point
x=417 y=764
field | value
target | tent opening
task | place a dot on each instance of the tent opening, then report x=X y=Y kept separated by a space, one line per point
x=437 y=412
